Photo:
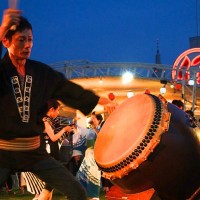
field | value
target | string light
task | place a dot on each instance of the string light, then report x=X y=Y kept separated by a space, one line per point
x=163 y=90
x=100 y=80
x=130 y=94
x=127 y=77
x=191 y=82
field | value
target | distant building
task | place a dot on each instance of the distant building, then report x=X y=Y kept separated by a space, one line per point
x=158 y=61
x=157 y=72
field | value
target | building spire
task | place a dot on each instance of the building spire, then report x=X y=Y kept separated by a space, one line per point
x=157 y=52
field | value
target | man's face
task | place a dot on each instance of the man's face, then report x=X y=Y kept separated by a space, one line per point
x=21 y=44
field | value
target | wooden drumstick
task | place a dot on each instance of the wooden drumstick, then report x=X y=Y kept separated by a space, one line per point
x=13 y=4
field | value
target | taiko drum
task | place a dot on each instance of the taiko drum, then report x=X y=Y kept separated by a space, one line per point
x=148 y=143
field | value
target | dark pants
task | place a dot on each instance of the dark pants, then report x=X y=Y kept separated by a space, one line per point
x=65 y=154
x=8 y=183
x=57 y=176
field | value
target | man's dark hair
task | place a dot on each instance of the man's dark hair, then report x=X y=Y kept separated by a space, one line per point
x=23 y=24
x=178 y=103
x=52 y=103
x=175 y=102
x=98 y=116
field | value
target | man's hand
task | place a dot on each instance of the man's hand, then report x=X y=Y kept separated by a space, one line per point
x=109 y=106
x=10 y=19
x=68 y=129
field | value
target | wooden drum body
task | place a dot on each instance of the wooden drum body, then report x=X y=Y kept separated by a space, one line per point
x=147 y=143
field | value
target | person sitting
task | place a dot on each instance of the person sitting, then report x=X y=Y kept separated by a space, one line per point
x=75 y=162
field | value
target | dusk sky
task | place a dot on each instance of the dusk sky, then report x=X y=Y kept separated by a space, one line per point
x=110 y=30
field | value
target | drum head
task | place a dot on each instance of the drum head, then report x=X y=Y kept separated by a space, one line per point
x=123 y=143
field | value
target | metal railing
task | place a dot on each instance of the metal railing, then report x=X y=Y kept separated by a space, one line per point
x=86 y=69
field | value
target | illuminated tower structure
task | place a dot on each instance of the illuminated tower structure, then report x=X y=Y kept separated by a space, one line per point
x=157 y=70
x=158 y=60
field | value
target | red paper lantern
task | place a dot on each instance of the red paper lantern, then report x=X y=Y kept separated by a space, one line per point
x=178 y=86
x=111 y=96
x=147 y=91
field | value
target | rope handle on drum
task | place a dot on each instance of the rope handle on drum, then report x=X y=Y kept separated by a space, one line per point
x=167 y=114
